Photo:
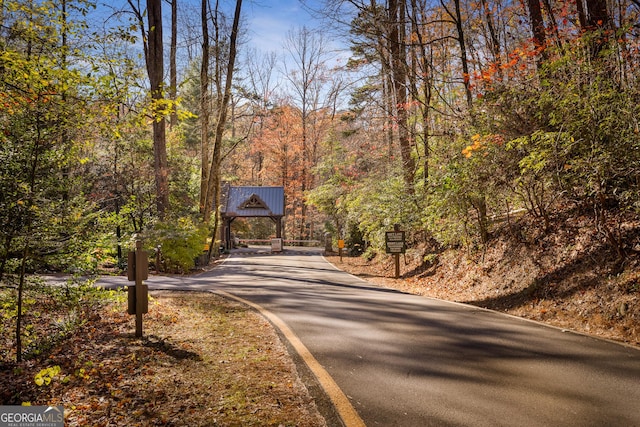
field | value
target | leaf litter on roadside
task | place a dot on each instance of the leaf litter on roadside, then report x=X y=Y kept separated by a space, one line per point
x=203 y=361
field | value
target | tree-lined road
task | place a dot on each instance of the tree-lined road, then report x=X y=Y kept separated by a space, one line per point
x=406 y=360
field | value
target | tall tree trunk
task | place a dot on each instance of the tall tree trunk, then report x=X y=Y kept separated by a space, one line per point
x=424 y=59
x=548 y=8
x=537 y=23
x=457 y=18
x=582 y=15
x=494 y=42
x=155 y=69
x=205 y=112
x=173 y=68
x=597 y=19
x=412 y=78
x=427 y=64
x=213 y=189
x=305 y=116
x=598 y=15
x=397 y=17
x=538 y=29
x=30 y=202
x=388 y=97
x=463 y=54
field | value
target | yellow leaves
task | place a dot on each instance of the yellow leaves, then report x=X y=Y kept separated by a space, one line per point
x=82 y=373
x=45 y=376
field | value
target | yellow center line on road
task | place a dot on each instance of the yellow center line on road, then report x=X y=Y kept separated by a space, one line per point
x=346 y=411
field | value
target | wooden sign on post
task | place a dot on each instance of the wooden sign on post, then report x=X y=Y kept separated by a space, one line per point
x=395 y=244
x=138 y=270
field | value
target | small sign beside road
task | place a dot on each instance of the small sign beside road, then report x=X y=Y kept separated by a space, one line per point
x=394 y=241
x=394 y=244
x=276 y=245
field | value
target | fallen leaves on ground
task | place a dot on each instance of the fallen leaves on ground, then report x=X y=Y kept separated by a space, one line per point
x=203 y=361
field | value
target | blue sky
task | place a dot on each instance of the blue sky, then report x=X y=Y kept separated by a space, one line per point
x=268 y=21
x=265 y=22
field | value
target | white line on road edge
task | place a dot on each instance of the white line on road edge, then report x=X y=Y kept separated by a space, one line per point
x=341 y=402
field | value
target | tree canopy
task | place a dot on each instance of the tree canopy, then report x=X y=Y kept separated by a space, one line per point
x=439 y=116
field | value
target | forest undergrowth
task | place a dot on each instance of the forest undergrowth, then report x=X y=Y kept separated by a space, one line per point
x=565 y=276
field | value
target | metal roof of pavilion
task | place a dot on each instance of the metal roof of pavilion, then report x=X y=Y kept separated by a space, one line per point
x=247 y=201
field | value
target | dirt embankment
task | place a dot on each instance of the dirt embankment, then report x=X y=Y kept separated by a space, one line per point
x=564 y=276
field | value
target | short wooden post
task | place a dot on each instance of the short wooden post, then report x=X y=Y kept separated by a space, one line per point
x=138 y=271
x=396 y=227
x=397 y=256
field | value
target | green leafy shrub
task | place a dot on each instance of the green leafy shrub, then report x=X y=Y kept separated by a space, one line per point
x=180 y=243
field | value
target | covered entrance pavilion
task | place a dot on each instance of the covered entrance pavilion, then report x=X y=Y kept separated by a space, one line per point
x=251 y=202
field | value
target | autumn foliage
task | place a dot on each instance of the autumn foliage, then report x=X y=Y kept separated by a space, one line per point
x=451 y=119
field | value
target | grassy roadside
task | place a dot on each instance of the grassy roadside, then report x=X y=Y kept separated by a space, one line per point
x=204 y=361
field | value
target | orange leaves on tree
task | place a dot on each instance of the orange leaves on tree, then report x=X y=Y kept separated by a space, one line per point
x=13 y=102
x=476 y=145
x=479 y=143
x=512 y=63
x=520 y=60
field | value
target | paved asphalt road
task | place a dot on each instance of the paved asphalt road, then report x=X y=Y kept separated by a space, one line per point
x=405 y=360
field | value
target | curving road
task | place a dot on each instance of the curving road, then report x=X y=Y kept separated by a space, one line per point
x=406 y=360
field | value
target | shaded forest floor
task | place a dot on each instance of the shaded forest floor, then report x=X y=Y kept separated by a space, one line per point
x=203 y=361
x=564 y=276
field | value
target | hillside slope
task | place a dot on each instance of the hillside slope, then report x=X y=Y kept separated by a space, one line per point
x=564 y=276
